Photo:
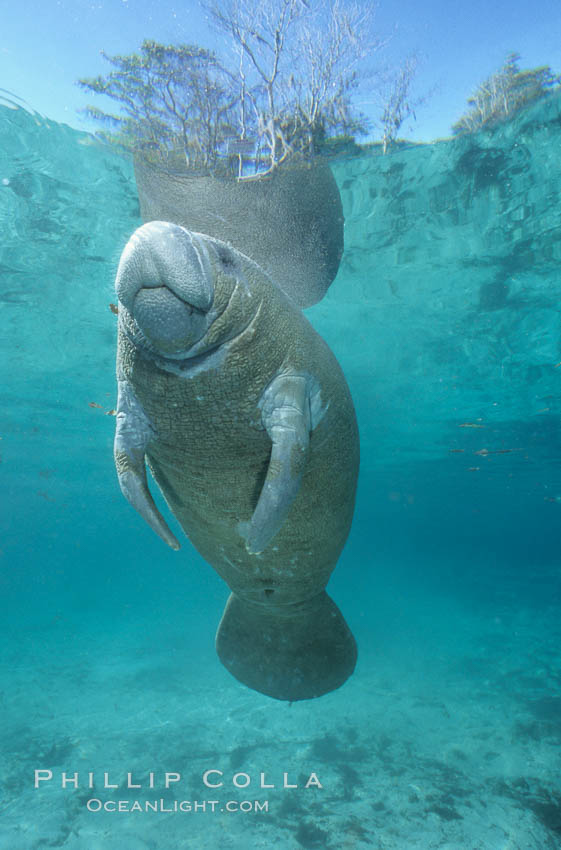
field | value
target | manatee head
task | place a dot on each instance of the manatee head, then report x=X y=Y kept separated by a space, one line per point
x=165 y=282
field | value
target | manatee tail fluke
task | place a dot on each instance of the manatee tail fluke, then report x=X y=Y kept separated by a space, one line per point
x=289 y=652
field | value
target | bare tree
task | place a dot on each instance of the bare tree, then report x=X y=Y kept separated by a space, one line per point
x=259 y=29
x=334 y=40
x=397 y=102
x=298 y=66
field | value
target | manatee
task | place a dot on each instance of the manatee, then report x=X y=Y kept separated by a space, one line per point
x=243 y=416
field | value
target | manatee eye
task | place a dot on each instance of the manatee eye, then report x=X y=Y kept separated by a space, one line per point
x=225 y=257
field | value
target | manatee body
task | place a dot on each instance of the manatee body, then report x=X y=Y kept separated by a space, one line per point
x=246 y=422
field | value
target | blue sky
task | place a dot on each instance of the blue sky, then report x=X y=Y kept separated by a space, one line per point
x=45 y=45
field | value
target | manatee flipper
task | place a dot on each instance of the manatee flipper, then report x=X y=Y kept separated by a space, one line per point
x=132 y=437
x=286 y=417
x=289 y=652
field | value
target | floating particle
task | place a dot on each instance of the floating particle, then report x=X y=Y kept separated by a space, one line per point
x=495 y=451
x=110 y=412
x=114 y=309
x=486 y=452
x=45 y=495
x=95 y=404
x=456 y=451
x=470 y=425
x=474 y=468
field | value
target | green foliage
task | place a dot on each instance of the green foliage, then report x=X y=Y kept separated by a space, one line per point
x=175 y=103
x=504 y=93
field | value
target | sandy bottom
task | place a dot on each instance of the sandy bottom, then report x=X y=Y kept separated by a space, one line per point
x=447 y=736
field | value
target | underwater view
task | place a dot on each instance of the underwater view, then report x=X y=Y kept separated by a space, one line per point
x=242 y=314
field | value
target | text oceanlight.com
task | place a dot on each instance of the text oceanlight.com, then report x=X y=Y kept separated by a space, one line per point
x=170 y=806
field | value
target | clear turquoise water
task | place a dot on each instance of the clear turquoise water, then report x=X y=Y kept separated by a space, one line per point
x=445 y=313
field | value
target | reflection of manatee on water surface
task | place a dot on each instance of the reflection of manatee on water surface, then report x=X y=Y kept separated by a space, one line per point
x=295 y=214
x=246 y=422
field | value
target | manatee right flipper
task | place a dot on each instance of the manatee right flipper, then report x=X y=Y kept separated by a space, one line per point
x=286 y=417
x=132 y=437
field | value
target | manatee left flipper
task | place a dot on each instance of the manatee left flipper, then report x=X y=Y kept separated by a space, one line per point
x=286 y=417
x=132 y=437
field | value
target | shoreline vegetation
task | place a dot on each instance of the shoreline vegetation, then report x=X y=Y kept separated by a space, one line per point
x=287 y=93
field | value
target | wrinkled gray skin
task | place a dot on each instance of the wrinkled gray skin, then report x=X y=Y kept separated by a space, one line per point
x=246 y=422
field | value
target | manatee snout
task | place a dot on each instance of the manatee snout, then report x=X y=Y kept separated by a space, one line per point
x=164 y=280
x=169 y=323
